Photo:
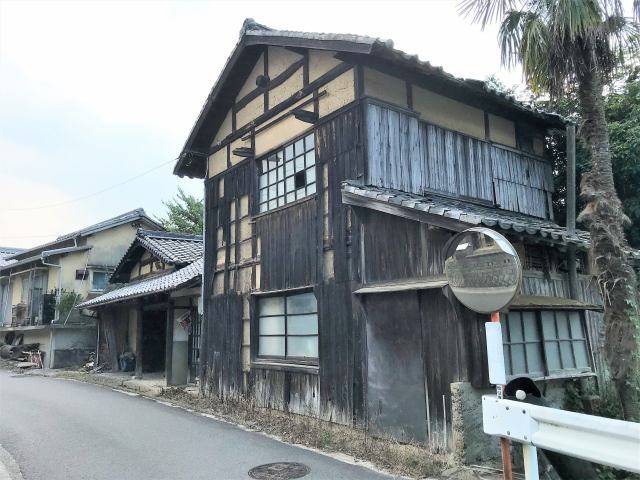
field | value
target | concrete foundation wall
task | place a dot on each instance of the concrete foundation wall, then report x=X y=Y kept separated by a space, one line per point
x=470 y=443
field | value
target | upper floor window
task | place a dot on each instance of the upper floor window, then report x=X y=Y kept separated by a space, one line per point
x=288 y=174
x=545 y=343
x=288 y=326
x=99 y=280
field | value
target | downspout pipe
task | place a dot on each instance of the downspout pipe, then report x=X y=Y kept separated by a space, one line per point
x=571 y=209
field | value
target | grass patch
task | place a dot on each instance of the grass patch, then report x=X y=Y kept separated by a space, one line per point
x=397 y=458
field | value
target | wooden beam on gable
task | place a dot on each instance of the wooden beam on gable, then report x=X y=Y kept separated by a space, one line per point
x=282 y=106
x=273 y=83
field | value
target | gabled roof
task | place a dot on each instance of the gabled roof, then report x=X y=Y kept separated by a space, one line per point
x=189 y=275
x=67 y=240
x=174 y=248
x=254 y=35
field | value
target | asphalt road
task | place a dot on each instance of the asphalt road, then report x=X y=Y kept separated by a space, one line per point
x=58 y=429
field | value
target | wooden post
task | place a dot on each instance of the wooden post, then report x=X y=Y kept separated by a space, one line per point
x=504 y=442
x=168 y=362
x=571 y=210
x=139 y=342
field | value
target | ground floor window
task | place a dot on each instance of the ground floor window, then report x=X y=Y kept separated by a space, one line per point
x=288 y=326
x=545 y=343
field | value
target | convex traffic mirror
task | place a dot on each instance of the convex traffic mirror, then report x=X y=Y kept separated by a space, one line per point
x=483 y=269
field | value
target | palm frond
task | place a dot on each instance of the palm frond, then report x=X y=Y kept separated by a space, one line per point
x=485 y=12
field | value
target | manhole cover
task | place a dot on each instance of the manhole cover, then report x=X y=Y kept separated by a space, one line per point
x=279 y=471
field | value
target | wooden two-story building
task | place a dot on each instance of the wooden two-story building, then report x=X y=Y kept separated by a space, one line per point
x=336 y=168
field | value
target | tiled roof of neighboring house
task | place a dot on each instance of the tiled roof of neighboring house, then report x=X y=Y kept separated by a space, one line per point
x=471 y=214
x=174 y=248
x=178 y=248
x=191 y=161
x=171 y=281
x=67 y=240
x=7 y=252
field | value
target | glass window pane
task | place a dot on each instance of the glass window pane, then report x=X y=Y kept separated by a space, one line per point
x=99 y=280
x=582 y=357
x=534 y=359
x=290 y=183
x=291 y=197
x=300 y=193
x=273 y=346
x=273 y=191
x=575 y=325
x=311 y=174
x=280 y=156
x=299 y=163
x=273 y=204
x=302 y=303
x=517 y=359
x=530 y=327
x=548 y=325
x=562 y=322
x=566 y=355
x=299 y=147
x=302 y=347
x=271 y=306
x=289 y=168
x=280 y=188
x=280 y=173
x=309 y=142
x=505 y=333
x=263 y=207
x=263 y=180
x=552 y=352
x=311 y=189
x=507 y=357
x=515 y=327
x=302 y=324
x=263 y=195
x=311 y=158
x=288 y=152
x=272 y=326
x=281 y=201
x=272 y=177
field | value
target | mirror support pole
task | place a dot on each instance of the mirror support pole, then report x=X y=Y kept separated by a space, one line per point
x=505 y=444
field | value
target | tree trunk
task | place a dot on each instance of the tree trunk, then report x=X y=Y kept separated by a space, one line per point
x=606 y=220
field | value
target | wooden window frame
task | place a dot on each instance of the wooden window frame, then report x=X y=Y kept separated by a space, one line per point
x=281 y=199
x=542 y=342
x=291 y=361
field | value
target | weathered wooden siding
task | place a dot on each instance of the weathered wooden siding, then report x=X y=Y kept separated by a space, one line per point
x=397 y=249
x=407 y=154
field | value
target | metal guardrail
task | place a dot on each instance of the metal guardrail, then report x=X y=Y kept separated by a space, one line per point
x=615 y=443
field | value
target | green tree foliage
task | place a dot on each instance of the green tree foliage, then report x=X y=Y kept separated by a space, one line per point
x=184 y=214
x=580 y=45
x=622 y=109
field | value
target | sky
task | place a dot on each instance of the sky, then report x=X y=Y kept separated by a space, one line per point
x=95 y=93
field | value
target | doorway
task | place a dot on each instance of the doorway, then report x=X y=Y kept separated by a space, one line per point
x=396 y=397
x=154 y=338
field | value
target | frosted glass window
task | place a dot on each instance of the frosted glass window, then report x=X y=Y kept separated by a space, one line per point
x=545 y=343
x=288 y=326
x=277 y=172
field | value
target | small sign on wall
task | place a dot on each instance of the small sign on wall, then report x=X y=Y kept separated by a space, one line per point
x=495 y=353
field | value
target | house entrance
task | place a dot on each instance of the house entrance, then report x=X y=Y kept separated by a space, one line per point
x=395 y=371
x=154 y=337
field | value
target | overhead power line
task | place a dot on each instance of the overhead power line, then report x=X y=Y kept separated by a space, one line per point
x=89 y=195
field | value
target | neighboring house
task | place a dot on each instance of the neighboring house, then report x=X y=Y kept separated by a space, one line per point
x=336 y=169
x=39 y=286
x=156 y=314
x=8 y=252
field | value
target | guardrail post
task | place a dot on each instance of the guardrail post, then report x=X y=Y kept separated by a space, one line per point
x=530 y=455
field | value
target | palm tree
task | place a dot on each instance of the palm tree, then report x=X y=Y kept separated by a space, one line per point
x=563 y=44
